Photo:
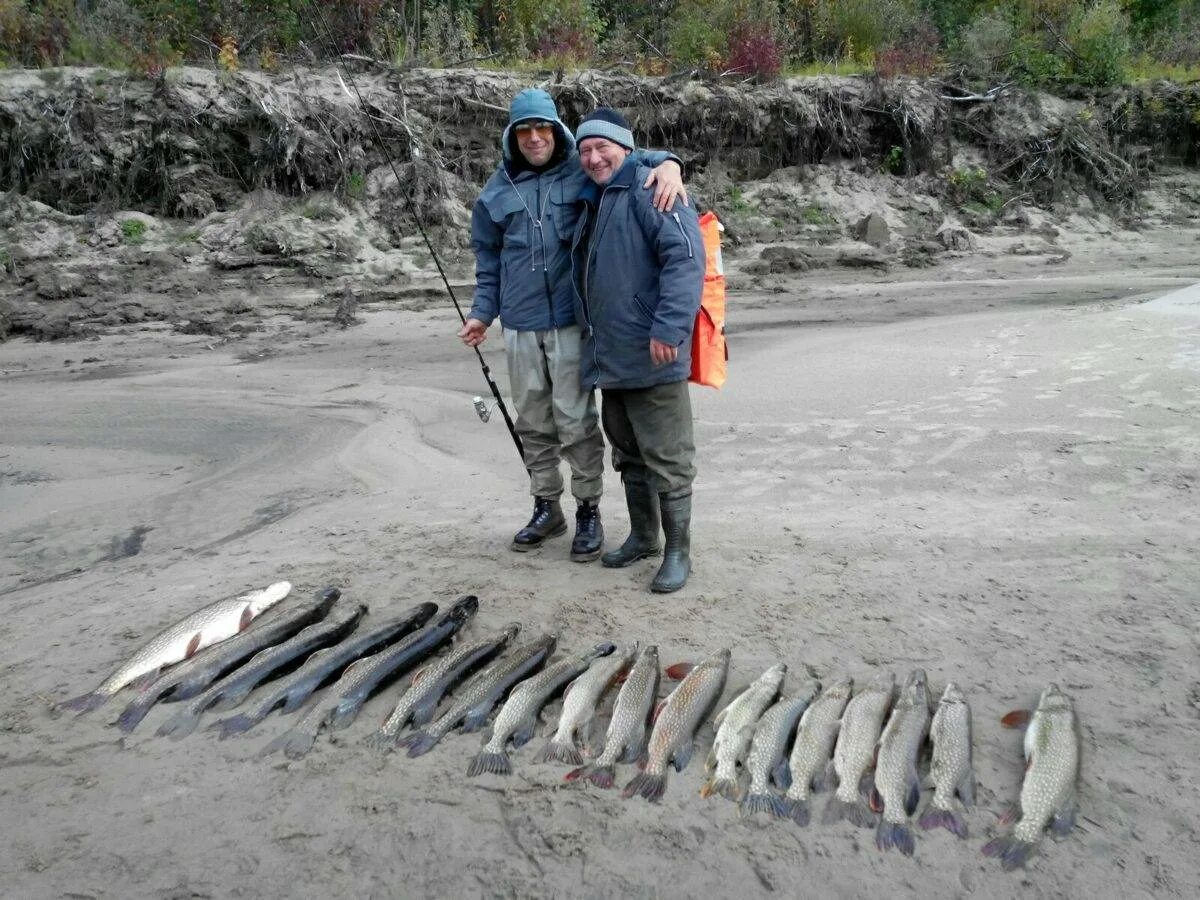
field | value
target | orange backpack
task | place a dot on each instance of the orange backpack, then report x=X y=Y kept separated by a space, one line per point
x=710 y=354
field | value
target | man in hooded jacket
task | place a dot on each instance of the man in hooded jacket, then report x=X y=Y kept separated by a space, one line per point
x=521 y=229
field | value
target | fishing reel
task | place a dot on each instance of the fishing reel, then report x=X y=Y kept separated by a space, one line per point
x=482 y=409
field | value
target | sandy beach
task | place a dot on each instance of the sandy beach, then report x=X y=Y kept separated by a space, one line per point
x=990 y=471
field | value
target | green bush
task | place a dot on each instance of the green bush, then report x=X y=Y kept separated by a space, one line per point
x=133 y=231
x=856 y=28
x=1099 y=35
x=697 y=37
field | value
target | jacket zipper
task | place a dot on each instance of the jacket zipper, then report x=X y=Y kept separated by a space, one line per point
x=587 y=271
x=686 y=239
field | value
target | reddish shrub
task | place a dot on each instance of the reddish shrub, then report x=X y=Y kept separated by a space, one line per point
x=754 y=50
x=566 y=43
x=915 y=54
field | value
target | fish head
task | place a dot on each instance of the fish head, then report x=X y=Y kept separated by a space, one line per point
x=808 y=691
x=719 y=660
x=916 y=688
x=772 y=679
x=463 y=608
x=268 y=596
x=840 y=690
x=511 y=630
x=604 y=648
x=953 y=694
x=326 y=597
x=1053 y=700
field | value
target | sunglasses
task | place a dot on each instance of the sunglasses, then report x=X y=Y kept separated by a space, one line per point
x=527 y=128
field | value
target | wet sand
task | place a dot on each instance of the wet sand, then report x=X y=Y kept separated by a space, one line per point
x=990 y=478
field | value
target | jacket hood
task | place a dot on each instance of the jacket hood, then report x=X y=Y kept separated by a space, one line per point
x=535 y=104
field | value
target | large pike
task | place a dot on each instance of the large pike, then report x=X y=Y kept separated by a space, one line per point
x=579 y=708
x=855 y=750
x=626 y=738
x=475 y=700
x=325 y=665
x=674 y=735
x=419 y=702
x=517 y=719
x=810 y=767
x=206 y=626
x=192 y=676
x=235 y=687
x=342 y=702
x=768 y=753
x=1051 y=779
x=951 y=769
x=897 y=790
x=735 y=730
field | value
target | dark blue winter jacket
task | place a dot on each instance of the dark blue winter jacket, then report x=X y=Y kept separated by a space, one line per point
x=638 y=274
x=523 y=268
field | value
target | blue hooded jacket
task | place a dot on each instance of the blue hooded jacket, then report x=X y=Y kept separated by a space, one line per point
x=521 y=228
x=638 y=274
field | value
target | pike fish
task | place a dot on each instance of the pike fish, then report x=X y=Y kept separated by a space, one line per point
x=768 y=753
x=192 y=676
x=517 y=719
x=428 y=685
x=810 y=766
x=342 y=702
x=855 y=750
x=1051 y=779
x=897 y=790
x=325 y=665
x=475 y=700
x=673 y=737
x=951 y=769
x=626 y=738
x=181 y=641
x=579 y=708
x=234 y=688
x=735 y=730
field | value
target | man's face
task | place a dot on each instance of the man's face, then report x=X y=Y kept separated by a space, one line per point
x=601 y=158
x=536 y=141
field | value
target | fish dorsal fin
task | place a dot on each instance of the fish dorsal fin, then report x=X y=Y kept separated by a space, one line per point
x=658 y=708
x=246 y=618
x=192 y=646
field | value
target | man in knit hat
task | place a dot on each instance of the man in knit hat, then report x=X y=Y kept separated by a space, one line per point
x=521 y=229
x=638 y=274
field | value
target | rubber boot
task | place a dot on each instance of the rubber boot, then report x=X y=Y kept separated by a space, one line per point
x=677 y=559
x=643 y=522
x=589 y=532
x=547 y=522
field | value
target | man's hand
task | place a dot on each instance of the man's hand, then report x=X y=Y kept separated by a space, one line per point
x=662 y=353
x=668 y=181
x=473 y=333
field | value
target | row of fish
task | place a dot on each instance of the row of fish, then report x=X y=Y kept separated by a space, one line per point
x=788 y=748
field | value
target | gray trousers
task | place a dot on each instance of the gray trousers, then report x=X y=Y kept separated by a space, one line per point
x=556 y=418
x=652 y=428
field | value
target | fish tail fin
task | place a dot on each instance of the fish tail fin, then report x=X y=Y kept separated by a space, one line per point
x=474 y=720
x=726 y=787
x=342 y=716
x=234 y=725
x=826 y=779
x=132 y=715
x=423 y=714
x=944 y=818
x=646 y=784
x=294 y=743
x=185 y=690
x=229 y=699
x=600 y=775
x=856 y=811
x=763 y=801
x=84 y=702
x=1012 y=853
x=966 y=788
x=417 y=743
x=800 y=812
x=179 y=725
x=895 y=834
x=559 y=752
x=383 y=741
x=494 y=763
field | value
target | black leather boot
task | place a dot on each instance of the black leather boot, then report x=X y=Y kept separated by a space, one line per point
x=643 y=522
x=547 y=522
x=677 y=526
x=589 y=532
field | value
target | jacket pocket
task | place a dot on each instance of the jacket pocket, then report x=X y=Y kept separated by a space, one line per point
x=643 y=309
x=687 y=240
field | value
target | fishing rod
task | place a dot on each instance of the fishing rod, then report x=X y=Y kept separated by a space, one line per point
x=480 y=407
